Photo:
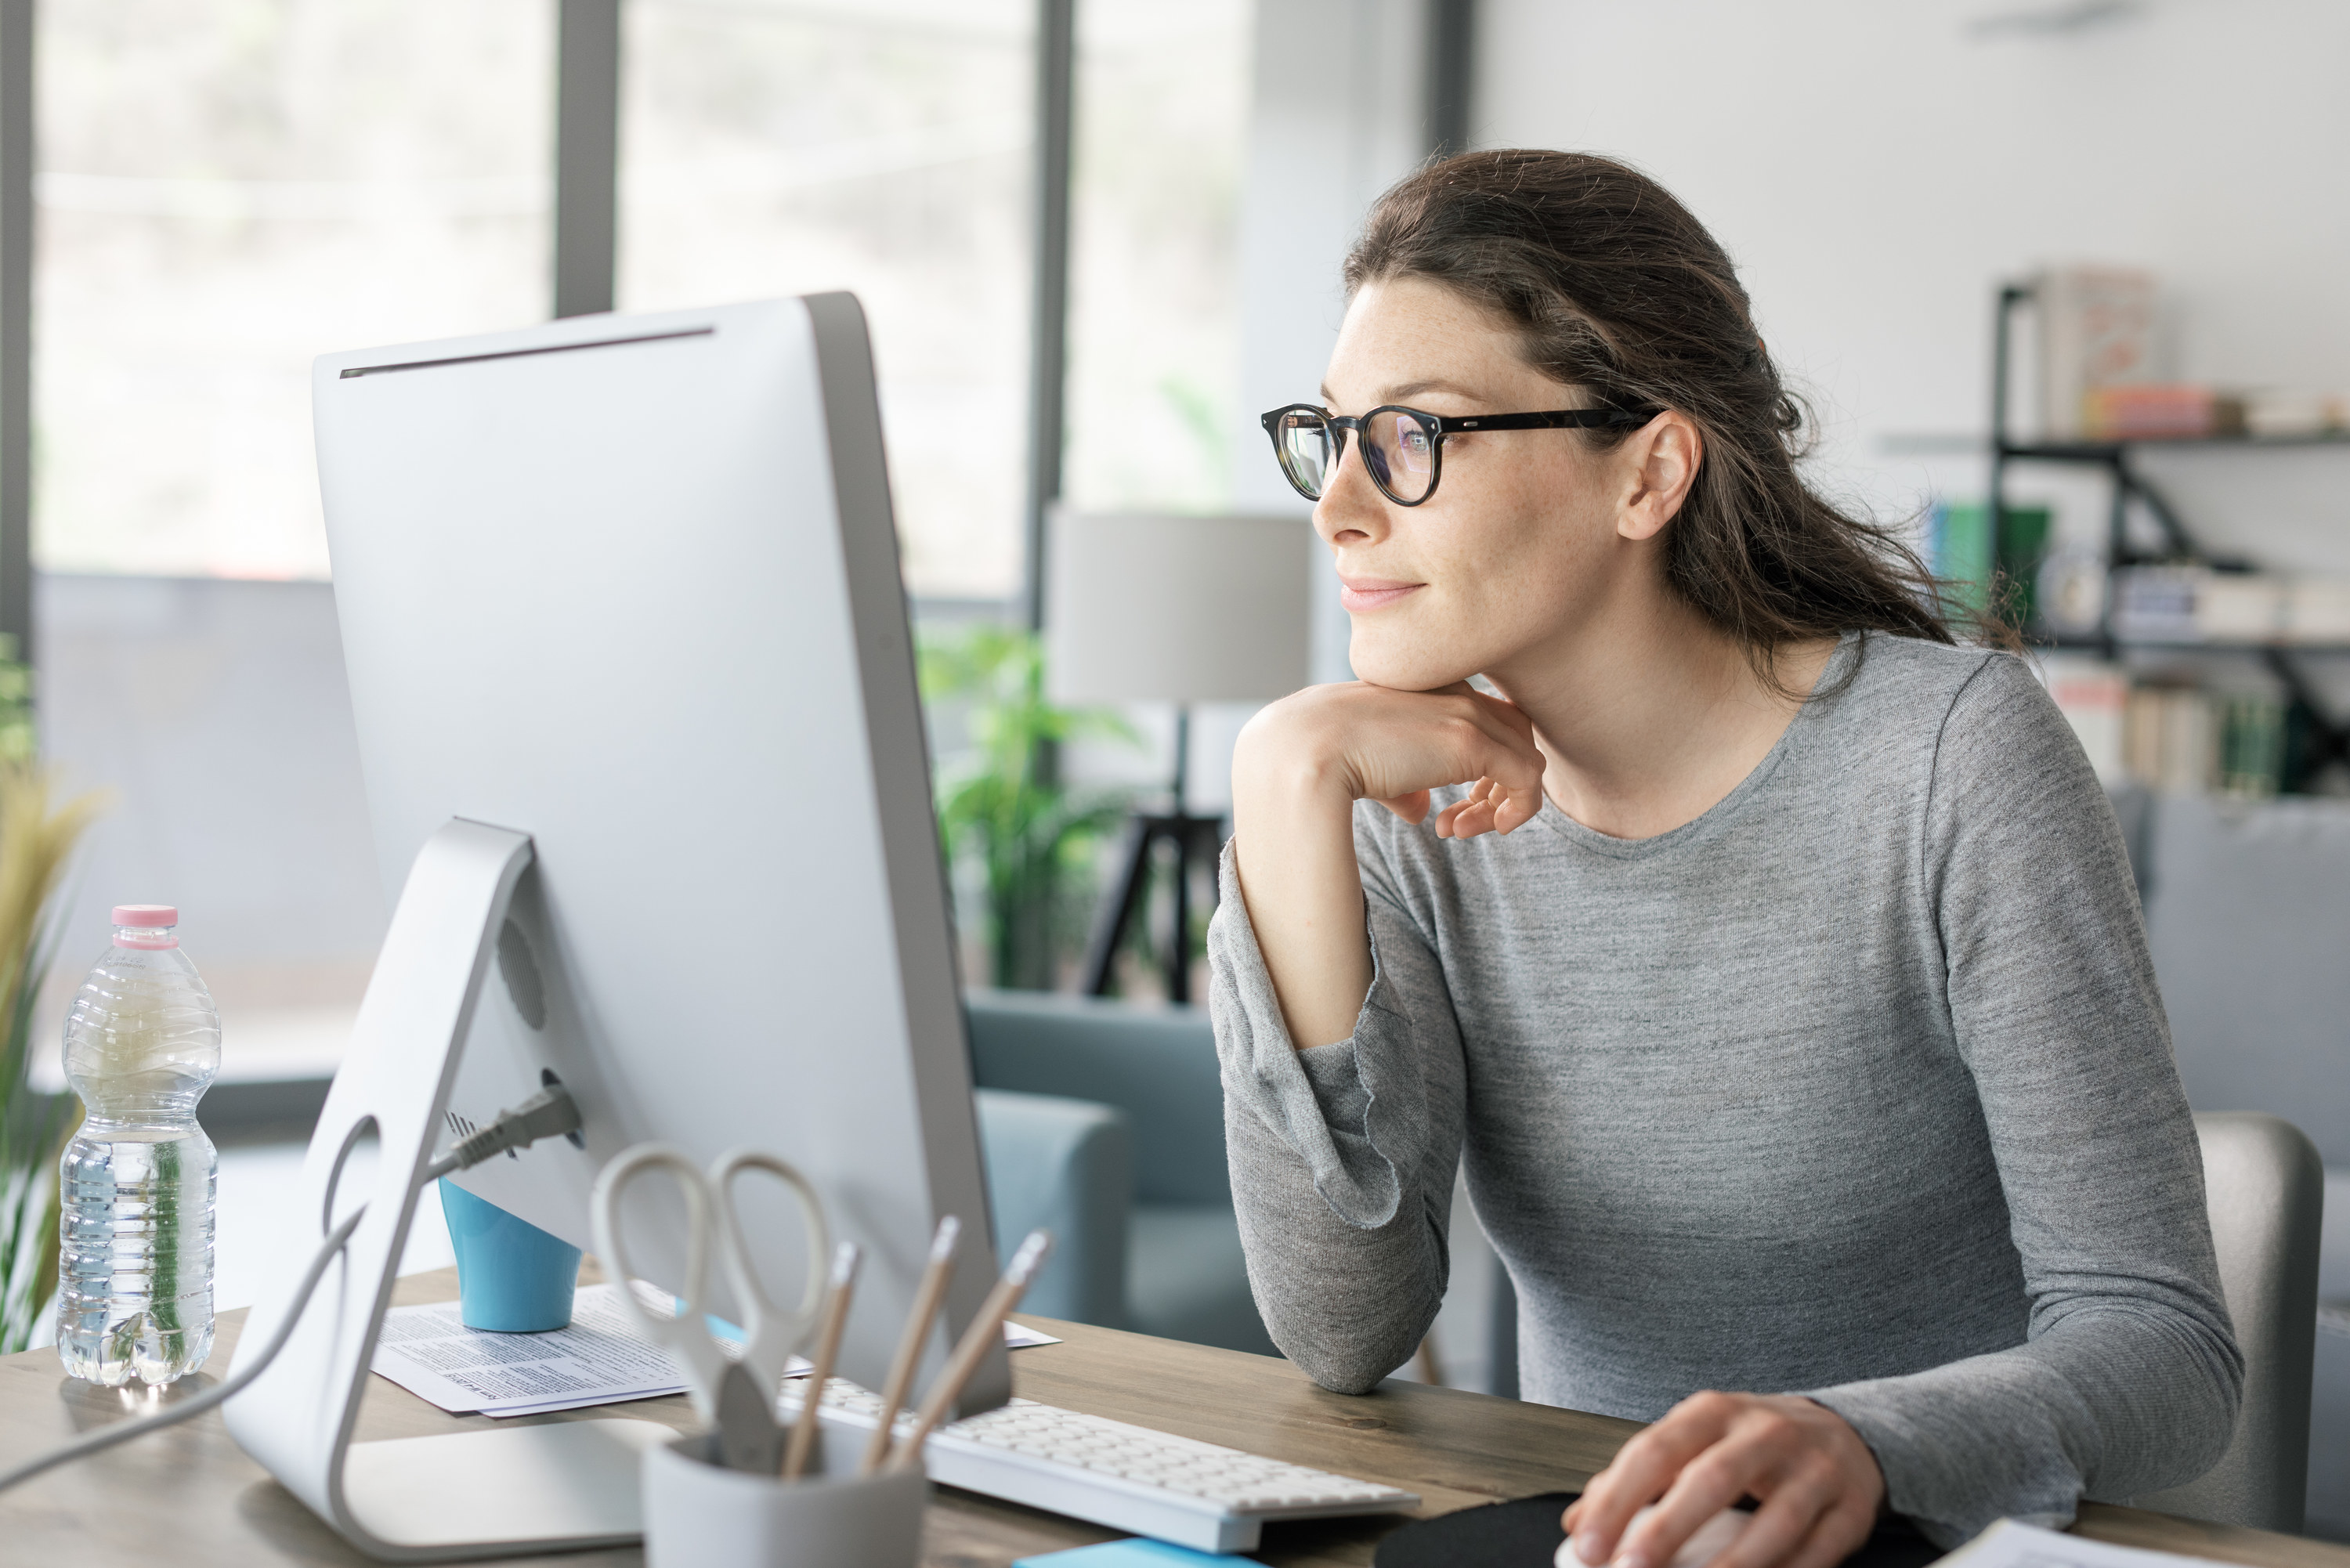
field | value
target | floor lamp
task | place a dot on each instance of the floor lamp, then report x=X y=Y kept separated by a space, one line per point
x=1182 y=610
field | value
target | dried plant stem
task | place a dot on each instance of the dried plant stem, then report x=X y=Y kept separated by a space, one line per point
x=37 y=838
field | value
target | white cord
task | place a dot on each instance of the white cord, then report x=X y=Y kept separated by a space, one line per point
x=123 y=1431
x=544 y=1115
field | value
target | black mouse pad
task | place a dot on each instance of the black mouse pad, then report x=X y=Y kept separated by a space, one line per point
x=1525 y=1535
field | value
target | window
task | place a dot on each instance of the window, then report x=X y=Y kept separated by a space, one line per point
x=879 y=146
x=1154 y=332
x=227 y=188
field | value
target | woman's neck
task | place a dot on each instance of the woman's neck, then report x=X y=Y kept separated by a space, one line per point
x=1650 y=714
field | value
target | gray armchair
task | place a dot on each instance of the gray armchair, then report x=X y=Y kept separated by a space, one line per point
x=1068 y=1166
x=2245 y=909
x=1149 y=1072
x=2265 y=1187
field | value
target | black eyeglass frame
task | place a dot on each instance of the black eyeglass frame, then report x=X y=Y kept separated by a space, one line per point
x=1437 y=426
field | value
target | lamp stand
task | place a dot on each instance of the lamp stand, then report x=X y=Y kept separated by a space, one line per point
x=1196 y=840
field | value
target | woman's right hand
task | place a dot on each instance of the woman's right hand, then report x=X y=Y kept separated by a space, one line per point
x=1300 y=764
x=1395 y=747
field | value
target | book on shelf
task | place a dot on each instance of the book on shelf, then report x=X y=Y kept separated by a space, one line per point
x=2094 y=697
x=2096 y=329
x=2252 y=745
x=2171 y=740
x=2197 y=604
x=2186 y=410
x=2278 y=412
x=1971 y=563
x=2169 y=736
x=2152 y=411
x=2318 y=609
x=2097 y=374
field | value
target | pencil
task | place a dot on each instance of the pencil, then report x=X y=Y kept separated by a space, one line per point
x=927 y=1297
x=827 y=1347
x=985 y=1330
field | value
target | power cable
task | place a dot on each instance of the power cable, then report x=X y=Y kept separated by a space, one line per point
x=547 y=1114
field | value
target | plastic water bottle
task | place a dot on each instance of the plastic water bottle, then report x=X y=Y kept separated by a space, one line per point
x=135 y=1275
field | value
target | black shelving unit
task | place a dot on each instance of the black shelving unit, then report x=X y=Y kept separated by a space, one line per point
x=2322 y=739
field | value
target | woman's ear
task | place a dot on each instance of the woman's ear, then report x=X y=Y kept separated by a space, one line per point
x=1661 y=462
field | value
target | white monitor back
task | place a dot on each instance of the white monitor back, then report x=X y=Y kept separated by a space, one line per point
x=629 y=584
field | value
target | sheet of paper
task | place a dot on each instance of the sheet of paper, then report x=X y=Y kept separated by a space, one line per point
x=1018 y=1337
x=599 y=1360
x=500 y=1412
x=2011 y=1545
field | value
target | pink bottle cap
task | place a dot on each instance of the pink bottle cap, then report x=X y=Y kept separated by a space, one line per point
x=148 y=918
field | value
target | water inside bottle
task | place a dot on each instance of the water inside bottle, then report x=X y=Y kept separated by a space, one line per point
x=135 y=1241
x=135 y=1245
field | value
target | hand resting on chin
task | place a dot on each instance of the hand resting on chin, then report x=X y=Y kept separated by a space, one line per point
x=1395 y=747
x=1301 y=765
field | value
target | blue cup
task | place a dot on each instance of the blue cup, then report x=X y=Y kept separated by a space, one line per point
x=512 y=1276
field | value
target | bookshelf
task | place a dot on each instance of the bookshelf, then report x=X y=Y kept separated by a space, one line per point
x=2325 y=738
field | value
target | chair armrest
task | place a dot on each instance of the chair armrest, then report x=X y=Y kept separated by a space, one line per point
x=2265 y=1190
x=1157 y=1064
x=1067 y=1165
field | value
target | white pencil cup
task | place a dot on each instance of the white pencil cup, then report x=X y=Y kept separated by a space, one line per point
x=699 y=1514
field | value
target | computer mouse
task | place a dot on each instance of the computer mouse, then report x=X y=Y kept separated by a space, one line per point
x=1711 y=1540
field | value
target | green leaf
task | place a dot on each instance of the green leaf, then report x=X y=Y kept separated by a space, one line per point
x=1004 y=807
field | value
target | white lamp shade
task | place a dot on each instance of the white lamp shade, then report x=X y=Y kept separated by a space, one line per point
x=1176 y=610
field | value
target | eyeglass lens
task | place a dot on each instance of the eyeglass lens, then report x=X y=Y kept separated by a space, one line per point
x=1307 y=451
x=1400 y=452
x=1397 y=450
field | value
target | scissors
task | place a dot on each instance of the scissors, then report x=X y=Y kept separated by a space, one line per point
x=736 y=1397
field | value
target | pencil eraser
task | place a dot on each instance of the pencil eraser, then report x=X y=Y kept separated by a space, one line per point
x=1135 y=1553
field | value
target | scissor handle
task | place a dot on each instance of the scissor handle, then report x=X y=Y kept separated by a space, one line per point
x=773 y=1334
x=687 y=1335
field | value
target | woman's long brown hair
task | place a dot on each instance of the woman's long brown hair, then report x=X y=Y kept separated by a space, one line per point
x=1613 y=285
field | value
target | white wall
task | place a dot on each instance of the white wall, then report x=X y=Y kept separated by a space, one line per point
x=1337 y=114
x=1877 y=170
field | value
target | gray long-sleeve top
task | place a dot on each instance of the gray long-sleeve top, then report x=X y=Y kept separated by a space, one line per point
x=1858 y=1086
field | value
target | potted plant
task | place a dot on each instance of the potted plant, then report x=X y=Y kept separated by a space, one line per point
x=1004 y=805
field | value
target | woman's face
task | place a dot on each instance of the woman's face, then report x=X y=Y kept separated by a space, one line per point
x=1521 y=538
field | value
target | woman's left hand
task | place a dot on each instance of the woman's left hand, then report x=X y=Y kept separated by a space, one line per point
x=1819 y=1486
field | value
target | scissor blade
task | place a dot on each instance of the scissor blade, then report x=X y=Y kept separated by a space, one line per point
x=748 y=1435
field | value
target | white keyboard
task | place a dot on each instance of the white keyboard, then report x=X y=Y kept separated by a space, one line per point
x=1130 y=1477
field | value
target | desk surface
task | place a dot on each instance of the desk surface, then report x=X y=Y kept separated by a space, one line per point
x=189 y=1497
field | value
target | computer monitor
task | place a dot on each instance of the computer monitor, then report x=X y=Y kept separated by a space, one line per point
x=629 y=585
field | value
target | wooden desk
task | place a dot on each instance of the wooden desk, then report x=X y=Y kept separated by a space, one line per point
x=188 y=1497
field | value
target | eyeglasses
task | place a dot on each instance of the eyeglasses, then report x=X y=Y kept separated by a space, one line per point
x=1403 y=449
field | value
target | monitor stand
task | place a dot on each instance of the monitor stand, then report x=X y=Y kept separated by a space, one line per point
x=556 y=1486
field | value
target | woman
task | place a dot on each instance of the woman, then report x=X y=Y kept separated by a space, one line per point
x=1772 y=962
